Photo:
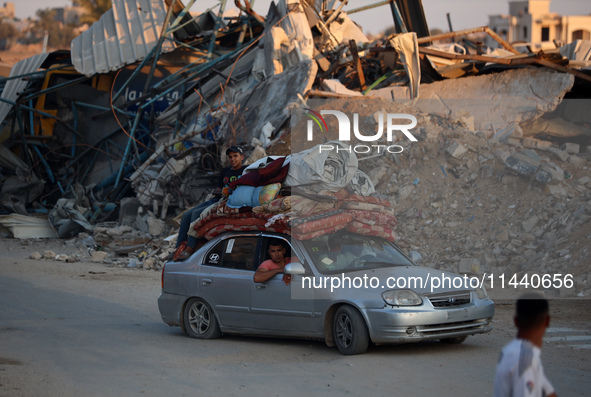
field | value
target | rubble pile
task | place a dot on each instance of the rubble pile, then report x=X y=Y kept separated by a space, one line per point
x=472 y=204
x=497 y=180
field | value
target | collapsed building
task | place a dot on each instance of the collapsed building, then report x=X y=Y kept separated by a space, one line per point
x=128 y=126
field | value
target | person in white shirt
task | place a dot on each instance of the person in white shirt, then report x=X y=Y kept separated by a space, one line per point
x=519 y=371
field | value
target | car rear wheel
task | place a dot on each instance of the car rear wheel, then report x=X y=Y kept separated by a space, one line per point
x=453 y=341
x=350 y=331
x=199 y=320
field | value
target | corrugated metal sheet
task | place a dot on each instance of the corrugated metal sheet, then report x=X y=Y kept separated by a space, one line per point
x=125 y=34
x=14 y=87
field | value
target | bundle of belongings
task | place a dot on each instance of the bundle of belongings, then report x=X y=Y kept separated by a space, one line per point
x=321 y=193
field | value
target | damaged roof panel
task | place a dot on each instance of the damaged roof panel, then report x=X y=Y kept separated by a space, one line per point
x=125 y=34
x=14 y=87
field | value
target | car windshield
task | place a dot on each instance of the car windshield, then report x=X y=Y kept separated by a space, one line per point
x=348 y=252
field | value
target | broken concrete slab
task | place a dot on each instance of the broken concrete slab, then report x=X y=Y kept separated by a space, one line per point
x=556 y=190
x=149 y=263
x=533 y=143
x=486 y=171
x=156 y=227
x=528 y=166
x=49 y=254
x=456 y=150
x=561 y=154
x=529 y=224
x=128 y=209
x=556 y=126
x=99 y=256
x=571 y=148
x=497 y=100
x=576 y=161
x=556 y=172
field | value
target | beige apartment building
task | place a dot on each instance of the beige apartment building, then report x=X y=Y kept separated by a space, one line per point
x=532 y=22
x=7 y=11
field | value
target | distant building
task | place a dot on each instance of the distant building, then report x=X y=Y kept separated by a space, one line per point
x=68 y=15
x=532 y=22
x=72 y=15
x=7 y=11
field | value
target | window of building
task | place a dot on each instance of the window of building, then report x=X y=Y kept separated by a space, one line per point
x=581 y=35
x=545 y=33
x=525 y=33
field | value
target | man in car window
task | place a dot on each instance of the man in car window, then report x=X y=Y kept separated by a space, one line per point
x=269 y=268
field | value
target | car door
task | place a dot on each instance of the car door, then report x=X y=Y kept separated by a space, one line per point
x=273 y=307
x=226 y=279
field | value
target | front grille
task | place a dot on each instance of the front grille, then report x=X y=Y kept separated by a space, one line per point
x=439 y=329
x=450 y=299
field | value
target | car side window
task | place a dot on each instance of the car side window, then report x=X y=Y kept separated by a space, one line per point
x=214 y=257
x=234 y=253
x=289 y=252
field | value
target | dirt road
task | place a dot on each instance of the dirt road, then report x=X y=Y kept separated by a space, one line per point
x=85 y=329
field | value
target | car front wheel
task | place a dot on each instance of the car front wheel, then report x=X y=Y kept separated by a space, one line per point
x=199 y=320
x=350 y=331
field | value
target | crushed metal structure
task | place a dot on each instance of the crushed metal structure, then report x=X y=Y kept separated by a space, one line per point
x=149 y=96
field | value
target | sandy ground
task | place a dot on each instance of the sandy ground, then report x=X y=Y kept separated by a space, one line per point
x=123 y=348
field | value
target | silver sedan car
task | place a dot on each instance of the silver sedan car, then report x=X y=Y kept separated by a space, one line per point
x=346 y=289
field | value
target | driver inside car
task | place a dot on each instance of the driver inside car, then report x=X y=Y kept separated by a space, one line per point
x=269 y=268
x=340 y=255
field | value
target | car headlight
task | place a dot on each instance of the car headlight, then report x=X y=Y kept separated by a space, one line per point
x=481 y=292
x=402 y=297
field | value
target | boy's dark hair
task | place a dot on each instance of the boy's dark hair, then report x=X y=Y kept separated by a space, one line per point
x=531 y=310
x=276 y=242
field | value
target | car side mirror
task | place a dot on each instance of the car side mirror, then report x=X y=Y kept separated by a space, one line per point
x=415 y=257
x=294 y=268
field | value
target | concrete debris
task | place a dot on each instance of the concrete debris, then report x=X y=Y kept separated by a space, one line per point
x=530 y=223
x=533 y=143
x=556 y=190
x=156 y=227
x=470 y=266
x=571 y=147
x=527 y=166
x=99 y=256
x=499 y=99
x=577 y=161
x=49 y=255
x=128 y=210
x=67 y=218
x=456 y=150
x=561 y=154
x=35 y=255
x=498 y=179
